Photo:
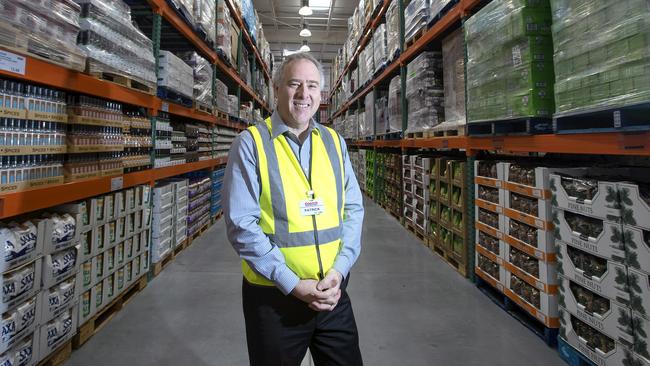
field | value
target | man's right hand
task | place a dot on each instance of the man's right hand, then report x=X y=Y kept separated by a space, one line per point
x=307 y=292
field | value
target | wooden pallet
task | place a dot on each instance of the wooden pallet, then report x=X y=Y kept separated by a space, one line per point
x=415 y=231
x=571 y=355
x=216 y=217
x=419 y=135
x=158 y=267
x=448 y=129
x=201 y=107
x=390 y=136
x=416 y=36
x=181 y=247
x=201 y=231
x=448 y=257
x=58 y=357
x=221 y=115
x=103 y=317
x=125 y=81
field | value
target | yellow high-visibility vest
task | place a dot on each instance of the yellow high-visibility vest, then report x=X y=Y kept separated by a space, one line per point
x=309 y=243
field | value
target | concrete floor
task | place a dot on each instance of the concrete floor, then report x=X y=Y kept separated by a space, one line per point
x=411 y=309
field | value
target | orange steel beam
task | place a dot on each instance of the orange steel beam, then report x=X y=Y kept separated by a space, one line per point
x=55 y=76
x=452 y=142
x=170 y=15
x=179 y=110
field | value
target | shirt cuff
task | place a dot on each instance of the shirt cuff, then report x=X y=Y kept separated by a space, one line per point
x=342 y=265
x=286 y=280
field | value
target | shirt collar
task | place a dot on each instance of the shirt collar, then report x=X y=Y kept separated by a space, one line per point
x=278 y=127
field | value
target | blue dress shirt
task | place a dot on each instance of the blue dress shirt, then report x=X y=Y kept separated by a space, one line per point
x=241 y=206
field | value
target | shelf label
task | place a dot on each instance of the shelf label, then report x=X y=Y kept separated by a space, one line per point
x=165 y=107
x=117 y=183
x=12 y=62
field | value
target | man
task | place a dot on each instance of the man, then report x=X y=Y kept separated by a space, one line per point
x=293 y=211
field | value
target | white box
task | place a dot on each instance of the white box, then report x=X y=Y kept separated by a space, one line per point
x=86 y=306
x=596 y=206
x=545 y=276
x=129 y=250
x=491 y=243
x=23 y=353
x=500 y=194
x=85 y=278
x=408 y=187
x=601 y=244
x=617 y=355
x=20 y=284
x=607 y=317
x=497 y=171
x=421 y=180
x=637 y=246
x=109 y=290
x=540 y=180
x=80 y=211
x=128 y=274
x=97 y=297
x=21 y=246
x=639 y=283
x=100 y=238
x=17 y=323
x=59 y=266
x=130 y=200
x=146 y=195
x=119 y=254
x=146 y=218
x=109 y=261
x=491 y=218
x=544 y=209
x=57 y=331
x=162 y=248
x=111 y=204
x=98 y=211
x=144 y=262
x=57 y=299
x=539 y=304
x=487 y=269
x=641 y=329
x=543 y=240
x=422 y=192
x=162 y=225
x=121 y=231
x=86 y=245
x=121 y=204
x=99 y=272
x=62 y=237
x=120 y=283
x=638 y=207
x=606 y=278
x=137 y=268
x=136 y=221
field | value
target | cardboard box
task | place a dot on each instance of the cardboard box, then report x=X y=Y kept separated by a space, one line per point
x=97 y=296
x=599 y=312
x=599 y=242
x=606 y=278
x=637 y=247
x=128 y=250
x=23 y=353
x=494 y=172
x=120 y=204
x=638 y=204
x=539 y=180
x=109 y=260
x=639 y=283
x=641 y=335
x=128 y=273
x=109 y=288
x=98 y=271
x=57 y=299
x=614 y=354
x=162 y=224
x=408 y=187
x=161 y=249
x=52 y=243
x=130 y=200
x=85 y=245
x=444 y=192
x=146 y=218
x=20 y=284
x=491 y=244
x=27 y=246
x=86 y=306
x=234 y=42
x=85 y=275
x=490 y=219
x=121 y=230
x=541 y=305
x=407 y=160
x=518 y=202
x=98 y=210
x=543 y=240
x=490 y=194
x=137 y=268
x=537 y=272
x=423 y=164
x=601 y=205
x=421 y=180
x=57 y=331
x=144 y=262
x=81 y=211
x=59 y=266
x=18 y=323
x=490 y=271
x=100 y=238
x=120 y=283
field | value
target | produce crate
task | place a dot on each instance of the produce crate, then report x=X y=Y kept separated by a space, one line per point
x=491 y=219
x=598 y=200
x=458 y=172
x=596 y=236
x=538 y=273
x=543 y=240
x=539 y=304
x=490 y=243
x=636 y=205
x=458 y=197
x=637 y=248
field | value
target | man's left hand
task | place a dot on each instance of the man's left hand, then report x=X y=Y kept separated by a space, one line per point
x=330 y=284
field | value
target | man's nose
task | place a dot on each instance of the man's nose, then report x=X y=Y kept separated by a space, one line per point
x=301 y=90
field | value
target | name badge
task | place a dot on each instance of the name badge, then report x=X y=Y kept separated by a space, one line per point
x=311 y=207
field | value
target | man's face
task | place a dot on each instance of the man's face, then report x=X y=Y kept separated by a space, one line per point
x=299 y=92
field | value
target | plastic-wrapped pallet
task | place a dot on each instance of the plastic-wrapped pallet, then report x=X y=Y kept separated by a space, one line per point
x=223 y=40
x=424 y=92
x=233 y=105
x=509 y=65
x=204 y=14
x=453 y=58
x=112 y=43
x=47 y=28
x=381 y=115
x=380 y=47
x=222 y=95
x=395 y=105
x=364 y=131
x=601 y=53
x=187 y=9
x=202 y=77
x=367 y=125
x=392 y=31
x=416 y=17
x=175 y=74
x=437 y=6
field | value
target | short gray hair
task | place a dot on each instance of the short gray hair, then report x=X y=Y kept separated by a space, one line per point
x=277 y=76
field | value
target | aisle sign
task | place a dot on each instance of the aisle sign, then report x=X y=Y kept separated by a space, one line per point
x=12 y=62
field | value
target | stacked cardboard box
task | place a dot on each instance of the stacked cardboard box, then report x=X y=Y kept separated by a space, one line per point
x=416 y=171
x=515 y=249
x=371 y=155
x=179 y=210
x=424 y=92
x=199 y=194
x=509 y=61
x=602 y=230
x=162 y=221
x=217 y=184
x=388 y=181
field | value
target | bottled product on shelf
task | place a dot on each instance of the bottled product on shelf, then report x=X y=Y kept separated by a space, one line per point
x=604 y=65
x=113 y=44
x=174 y=74
x=137 y=141
x=45 y=29
x=453 y=68
x=424 y=92
x=509 y=61
x=164 y=144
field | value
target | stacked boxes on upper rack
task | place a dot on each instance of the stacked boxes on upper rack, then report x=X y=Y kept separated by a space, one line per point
x=515 y=249
x=601 y=226
x=601 y=54
x=453 y=57
x=199 y=194
x=394 y=106
x=174 y=74
x=379 y=44
x=162 y=233
x=388 y=181
x=393 y=46
x=113 y=252
x=416 y=172
x=217 y=184
x=509 y=61
x=224 y=139
x=416 y=18
x=424 y=92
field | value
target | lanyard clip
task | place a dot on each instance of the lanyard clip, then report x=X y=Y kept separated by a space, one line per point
x=310 y=194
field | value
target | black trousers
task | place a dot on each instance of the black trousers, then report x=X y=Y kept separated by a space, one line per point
x=280 y=328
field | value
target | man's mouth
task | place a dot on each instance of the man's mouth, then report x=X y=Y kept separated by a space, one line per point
x=301 y=105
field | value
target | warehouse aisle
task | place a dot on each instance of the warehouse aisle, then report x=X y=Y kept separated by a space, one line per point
x=411 y=309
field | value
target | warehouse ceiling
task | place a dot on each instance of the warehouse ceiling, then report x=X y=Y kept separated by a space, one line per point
x=328 y=25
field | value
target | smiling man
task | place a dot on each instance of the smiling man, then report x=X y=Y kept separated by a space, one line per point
x=293 y=212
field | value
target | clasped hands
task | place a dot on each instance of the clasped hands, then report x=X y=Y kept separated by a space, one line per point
x=321 y=295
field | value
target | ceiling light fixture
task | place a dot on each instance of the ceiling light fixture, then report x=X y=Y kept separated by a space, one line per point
x=304 y=47
x=305 y=10
x=305 y=32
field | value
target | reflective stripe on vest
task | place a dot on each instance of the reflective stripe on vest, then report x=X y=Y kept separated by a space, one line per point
x=307 y=242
